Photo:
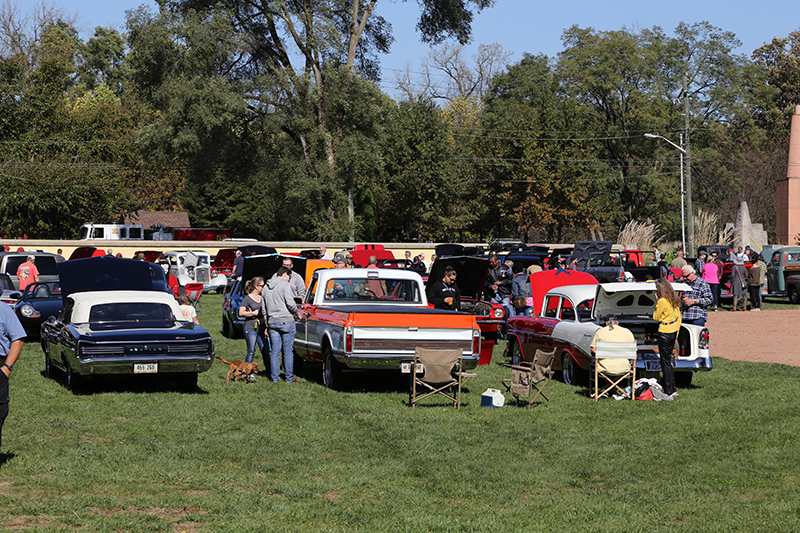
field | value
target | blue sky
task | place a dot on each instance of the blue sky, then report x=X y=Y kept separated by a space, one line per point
x=534 y=27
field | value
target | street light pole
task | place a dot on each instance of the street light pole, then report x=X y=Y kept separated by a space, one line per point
x=683 y=196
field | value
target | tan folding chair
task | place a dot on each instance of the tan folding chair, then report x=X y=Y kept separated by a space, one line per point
x=436 y=372
x=604 y=351
x=528 y=377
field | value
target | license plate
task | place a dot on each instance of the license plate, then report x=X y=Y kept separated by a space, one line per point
x=652 y=366
x=145 y=368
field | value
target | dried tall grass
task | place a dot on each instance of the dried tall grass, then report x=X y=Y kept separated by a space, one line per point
x=641 y=235
x=706 y=229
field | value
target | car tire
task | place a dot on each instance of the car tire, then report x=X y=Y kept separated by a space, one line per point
x=331 y=371
x=75 y=382
x=298 y=365
x=794 y=296
x=571 y=372
x=226 y=328
x=516 y=353
x=683 y=379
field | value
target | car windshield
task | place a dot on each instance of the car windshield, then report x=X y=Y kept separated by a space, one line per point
x=372 y=290
x=130 y=312
x=42 y=290
x=45 y=264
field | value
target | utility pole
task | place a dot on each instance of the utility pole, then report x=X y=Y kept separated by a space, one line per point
x=690 y=213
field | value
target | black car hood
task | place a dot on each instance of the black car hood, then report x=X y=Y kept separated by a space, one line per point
x=266 y=265
x=107 y=273
x=471 y=273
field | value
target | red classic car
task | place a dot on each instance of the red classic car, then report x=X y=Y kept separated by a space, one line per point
x=571 y=314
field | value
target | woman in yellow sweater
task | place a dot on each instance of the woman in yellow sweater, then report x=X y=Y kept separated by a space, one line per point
x=668 y=315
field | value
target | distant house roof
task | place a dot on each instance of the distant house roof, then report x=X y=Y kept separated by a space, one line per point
x=172 y=219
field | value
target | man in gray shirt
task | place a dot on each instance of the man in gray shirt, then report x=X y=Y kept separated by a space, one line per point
x=280 y=310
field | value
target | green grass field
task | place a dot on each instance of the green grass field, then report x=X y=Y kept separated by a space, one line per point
x=298 y=457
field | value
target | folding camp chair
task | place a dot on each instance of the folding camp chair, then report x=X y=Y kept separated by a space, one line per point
x=194 y=291
x=436 y=372
x=527 y=377
x=608 y=351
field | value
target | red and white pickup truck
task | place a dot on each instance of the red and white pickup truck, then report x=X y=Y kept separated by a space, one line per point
x=369 y=318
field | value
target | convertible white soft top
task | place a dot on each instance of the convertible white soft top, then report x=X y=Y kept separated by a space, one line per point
x=85 y=300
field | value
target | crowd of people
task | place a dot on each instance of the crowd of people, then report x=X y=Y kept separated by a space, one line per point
x=744 y=281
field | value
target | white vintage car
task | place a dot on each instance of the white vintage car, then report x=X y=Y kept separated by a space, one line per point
x=194 y=266
x=571 y=314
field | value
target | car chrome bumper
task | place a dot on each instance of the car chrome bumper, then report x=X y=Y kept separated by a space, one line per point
x=392 y=362
x=90 y=366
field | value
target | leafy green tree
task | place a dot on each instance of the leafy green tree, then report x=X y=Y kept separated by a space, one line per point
x=633 y=83
x=417 y=200
x=66 y=157
x=539 y=186
x=292 y=62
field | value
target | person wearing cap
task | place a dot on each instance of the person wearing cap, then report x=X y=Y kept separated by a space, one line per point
x=238 y=265
x=739 y=282
x=696 y=300
x=27 y=273
x=700 y=262
x=339 y=260
x=349 y=260
x=612 y=332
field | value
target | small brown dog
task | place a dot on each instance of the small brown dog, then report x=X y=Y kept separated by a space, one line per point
x=239 y=369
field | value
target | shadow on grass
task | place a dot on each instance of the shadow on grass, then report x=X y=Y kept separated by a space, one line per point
x=366 y=381
x=126 y=383
x=5 y=457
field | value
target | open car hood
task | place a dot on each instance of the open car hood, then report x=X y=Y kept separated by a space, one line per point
x=106 y=273
x=266 y=265
x=471 y=273
x=191 y=259
x=628 y=299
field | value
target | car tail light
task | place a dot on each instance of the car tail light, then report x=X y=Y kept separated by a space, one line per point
x=703 y=339
x=476 y=342
x=348 y=340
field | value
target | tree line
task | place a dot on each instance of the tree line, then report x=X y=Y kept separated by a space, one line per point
x=269 y=117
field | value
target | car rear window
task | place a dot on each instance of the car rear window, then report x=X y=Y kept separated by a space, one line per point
x=46 y=265
x=130 y=311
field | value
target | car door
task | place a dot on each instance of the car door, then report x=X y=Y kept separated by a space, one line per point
x=774 y=276
x=301 y=340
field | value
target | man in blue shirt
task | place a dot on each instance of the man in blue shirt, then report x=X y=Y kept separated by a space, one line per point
x=696 y=301
x=11 y=335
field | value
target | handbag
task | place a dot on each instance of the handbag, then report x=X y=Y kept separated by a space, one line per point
x=520 y=302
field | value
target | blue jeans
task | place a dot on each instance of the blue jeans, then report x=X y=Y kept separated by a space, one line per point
x=281 y=335
x=696 y=322
x=251 y=338
x=505 y=302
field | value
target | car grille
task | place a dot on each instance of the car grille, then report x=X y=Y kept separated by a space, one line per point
x=146 y=349
x=202 y=275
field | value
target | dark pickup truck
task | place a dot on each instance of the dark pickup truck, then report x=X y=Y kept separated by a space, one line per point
x=615 y=266
x=597 y=258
